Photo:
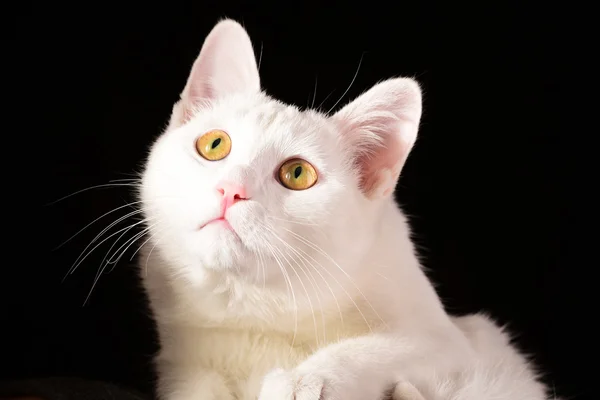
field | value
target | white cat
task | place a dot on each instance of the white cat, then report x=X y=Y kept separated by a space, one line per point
x=279 y=266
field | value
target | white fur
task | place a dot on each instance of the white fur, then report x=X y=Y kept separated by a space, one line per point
x=317 y=292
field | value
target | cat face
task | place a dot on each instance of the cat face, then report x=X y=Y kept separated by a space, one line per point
x=243 y=184
x=280 y=180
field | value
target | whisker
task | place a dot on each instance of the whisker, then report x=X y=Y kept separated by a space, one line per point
x=142 y=245
x=322 y=252
x=304 y=261
x=105 y=185
x=105 y=264
x=260 y=56
x=271 y=229
x=127 y=243
x=77 y=263
x=349 y=86
x=126 y=180
x=114 y=244
x=105 y=230
x=116 y=222
x=384 y=277
x=310 y=223
x=291 y=290
x=292 y=221
x=324 y=100
x=94 y=221
x=303 y=287
x=312 y=282
x=262 y=267
x=150 y=253
x=341 y=287
x=315 y=92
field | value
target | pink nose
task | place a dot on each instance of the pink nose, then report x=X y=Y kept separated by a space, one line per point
x=231 y=192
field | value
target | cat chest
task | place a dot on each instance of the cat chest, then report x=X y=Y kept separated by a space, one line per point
x=243 y=358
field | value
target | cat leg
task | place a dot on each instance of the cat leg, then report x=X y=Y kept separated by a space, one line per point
x=497 y=369
x=500 y=371
x=363 y=368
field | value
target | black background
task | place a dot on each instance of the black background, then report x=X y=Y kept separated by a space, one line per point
x=486 y=185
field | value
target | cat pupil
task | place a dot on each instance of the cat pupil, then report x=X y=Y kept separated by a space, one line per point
x=216 y=143
x=297 y=172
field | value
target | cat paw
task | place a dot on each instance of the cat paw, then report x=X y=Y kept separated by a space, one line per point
x=406 y=391
x=289 y=385
x=318 y=385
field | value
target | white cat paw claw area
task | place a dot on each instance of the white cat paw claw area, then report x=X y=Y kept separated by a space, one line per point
x=406 y=391
x=289 y=385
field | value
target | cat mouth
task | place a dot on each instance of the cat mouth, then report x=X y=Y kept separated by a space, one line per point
x=221 y=223
x=217 y=221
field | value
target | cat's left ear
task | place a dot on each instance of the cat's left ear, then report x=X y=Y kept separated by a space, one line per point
x=226 y=65
x=378 y=129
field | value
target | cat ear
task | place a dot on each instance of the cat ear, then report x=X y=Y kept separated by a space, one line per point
x=226 y=65
x=379 y=129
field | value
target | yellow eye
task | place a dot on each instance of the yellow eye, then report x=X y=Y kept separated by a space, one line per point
x=214 y=145
x=297 y=174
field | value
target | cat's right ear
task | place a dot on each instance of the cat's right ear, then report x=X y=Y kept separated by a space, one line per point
x=226 y=65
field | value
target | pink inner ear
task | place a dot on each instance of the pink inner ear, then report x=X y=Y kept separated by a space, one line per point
x=375 y=165
x=379 y=129
x=381 y=157
x=226 y=66
x=200 y=90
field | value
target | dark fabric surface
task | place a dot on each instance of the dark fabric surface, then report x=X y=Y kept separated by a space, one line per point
x=67 y=389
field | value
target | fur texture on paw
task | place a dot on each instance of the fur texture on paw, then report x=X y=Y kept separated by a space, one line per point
x=288 y=385
x=325 y=385
x=406 y=391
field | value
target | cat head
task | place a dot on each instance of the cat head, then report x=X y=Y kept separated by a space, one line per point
x=242 y=184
